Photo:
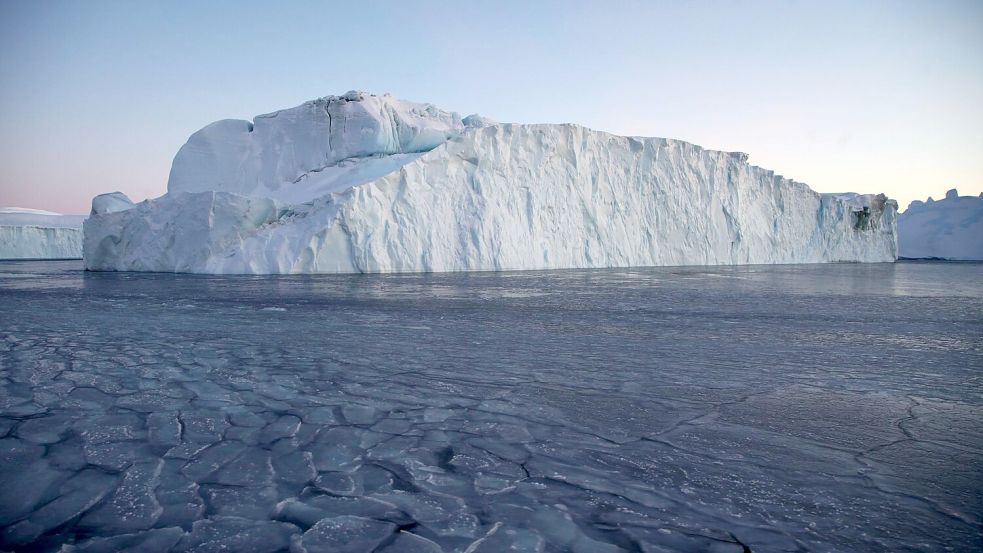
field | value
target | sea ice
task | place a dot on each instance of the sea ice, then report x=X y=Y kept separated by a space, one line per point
x=539 y=412
x=71 y=500
x=133 y=506
x=158 y=540
x=346 y=534
x=222 y=534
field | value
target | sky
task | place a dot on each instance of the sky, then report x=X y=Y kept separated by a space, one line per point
x=97 y=96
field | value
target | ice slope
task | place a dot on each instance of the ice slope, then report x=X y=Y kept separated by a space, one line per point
x=951 y=228
x=432 y=192
x=36 y=234
x=305 y=152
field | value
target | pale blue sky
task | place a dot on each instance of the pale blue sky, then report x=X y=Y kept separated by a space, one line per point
x=97 y=96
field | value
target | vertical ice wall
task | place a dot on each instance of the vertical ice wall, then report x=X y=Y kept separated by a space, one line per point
x=36 y=234
x=510 y=197
x=549 y=196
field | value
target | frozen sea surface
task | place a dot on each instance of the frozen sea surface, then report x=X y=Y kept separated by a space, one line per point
x=768 y=408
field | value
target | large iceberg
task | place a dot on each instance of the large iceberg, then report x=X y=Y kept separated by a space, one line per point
x=364 y=183
x=951 y=228
x=36 y=234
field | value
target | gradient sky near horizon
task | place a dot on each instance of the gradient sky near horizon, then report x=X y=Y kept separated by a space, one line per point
x=97 y=96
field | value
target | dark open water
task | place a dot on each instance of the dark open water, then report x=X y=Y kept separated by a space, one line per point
x=780 y=408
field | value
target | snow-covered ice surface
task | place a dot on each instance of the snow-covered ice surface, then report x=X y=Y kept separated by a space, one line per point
x=305 y=152
x=950 y=228
x=766 y=408
x=36 y=234
x=372 y=184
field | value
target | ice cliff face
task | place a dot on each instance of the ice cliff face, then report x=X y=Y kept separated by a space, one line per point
x=372 y=184
x=951 y=228
x=36 y=234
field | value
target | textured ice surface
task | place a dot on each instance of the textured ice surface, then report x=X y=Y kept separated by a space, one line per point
x=302 y=153
x=767 y=408
x=371 y=184
x=110 y=202
x=950 y=228
x=37 y=234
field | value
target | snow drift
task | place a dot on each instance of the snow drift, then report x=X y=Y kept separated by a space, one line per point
x=37 y=234
x=951 y=228
x=363 y=183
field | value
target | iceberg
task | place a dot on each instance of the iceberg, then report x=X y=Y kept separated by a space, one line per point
x=37 y=234
x=360 y=183
x=951 y=228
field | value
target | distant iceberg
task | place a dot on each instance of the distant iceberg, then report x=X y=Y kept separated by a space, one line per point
x=37 y=234
x=366 y=184
x=951 y=228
